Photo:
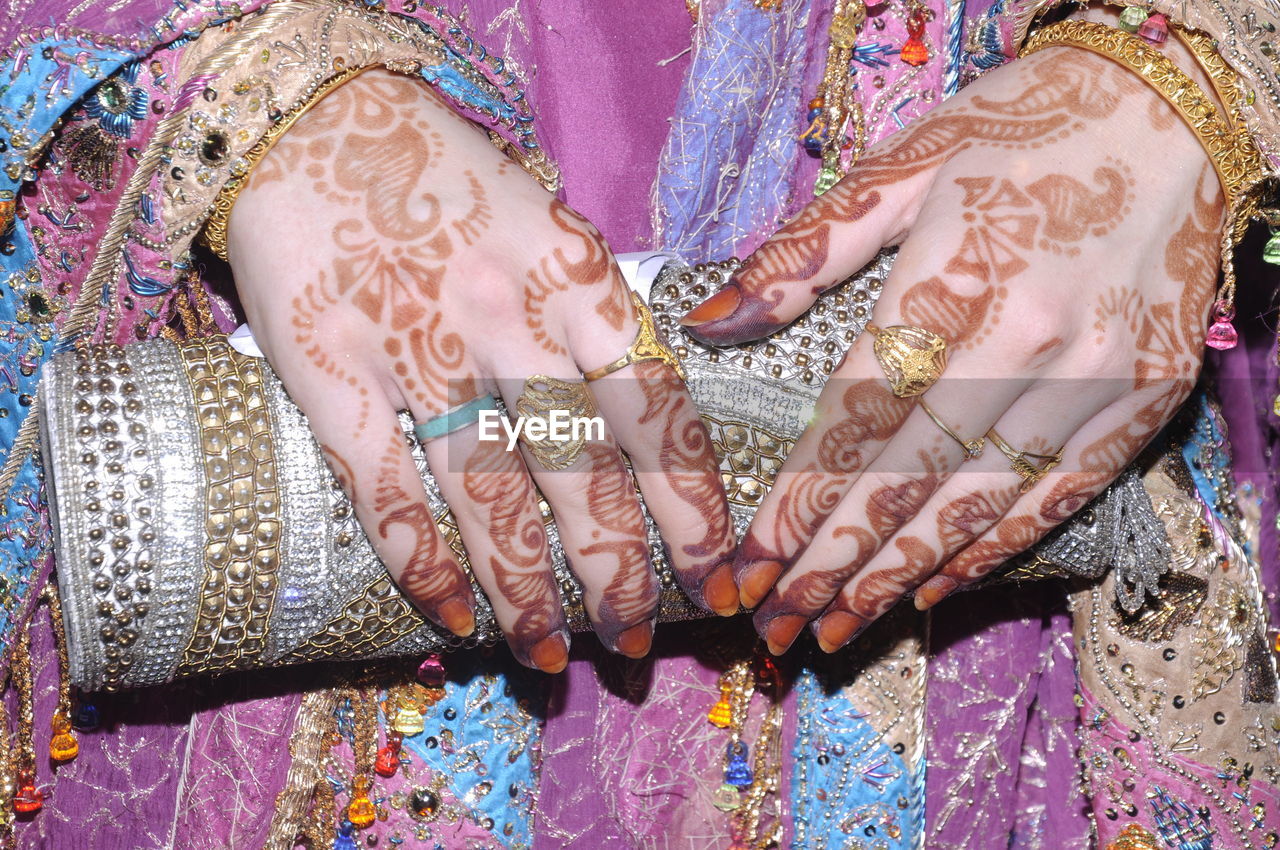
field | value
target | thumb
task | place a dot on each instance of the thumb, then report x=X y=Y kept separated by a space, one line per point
x=833 y=237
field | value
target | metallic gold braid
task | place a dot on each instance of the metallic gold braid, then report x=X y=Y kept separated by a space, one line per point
x=313 y=733
x=60 y=641
x=242 y=556
x=215 y=228
x=20 y=669
x=8 y=778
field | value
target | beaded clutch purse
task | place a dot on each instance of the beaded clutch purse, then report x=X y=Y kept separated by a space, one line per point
x=199 y=530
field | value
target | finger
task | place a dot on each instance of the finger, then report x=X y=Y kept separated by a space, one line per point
x=494 y=503
x=839 y=232
x=854 y=419
x=965 y=507
x=910 y=469
x=377 y=471
x=675 y=466
x=1091 y=460
x=597 y=512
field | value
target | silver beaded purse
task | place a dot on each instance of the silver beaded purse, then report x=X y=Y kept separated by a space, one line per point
x=198 y=529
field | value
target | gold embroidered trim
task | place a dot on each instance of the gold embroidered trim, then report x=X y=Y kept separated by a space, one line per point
x=215 y=228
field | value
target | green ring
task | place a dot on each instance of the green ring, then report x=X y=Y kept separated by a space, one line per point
x=455 y=418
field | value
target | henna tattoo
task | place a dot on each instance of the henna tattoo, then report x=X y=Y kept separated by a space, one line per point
x=963 y=519
x=429 y=575
x=891 y=506
x=479 y=217
x=688 y=462
x=631 y=596
x=501 y=489
x=875 y=592
x=554 y=274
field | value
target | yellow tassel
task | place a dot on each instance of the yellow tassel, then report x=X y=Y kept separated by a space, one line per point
x=721 y=714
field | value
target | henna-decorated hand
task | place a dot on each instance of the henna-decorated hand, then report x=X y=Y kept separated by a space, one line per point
x=389 y=258
x=1058 y=225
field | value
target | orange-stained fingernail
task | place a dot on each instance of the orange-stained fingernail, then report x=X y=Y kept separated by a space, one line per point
x=782 y=632
x=635 y=641
x=720 y=592
x=836 y=629
x=551 y=654
x=934 y=591
x=457 y=616
x=757 y=580
x=717 y=307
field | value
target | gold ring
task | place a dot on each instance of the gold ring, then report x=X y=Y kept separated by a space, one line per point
x=1021 y=462
x=912 y=358
x=646 y=346
x=972 y=448
x=550 y=401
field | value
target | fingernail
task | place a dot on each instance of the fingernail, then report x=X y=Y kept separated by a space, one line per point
x=720 y=592
x=836 y=629
x=551 y=654
x=456 y=616
x=717 y=307
x=757 y=580
x=934 y=591
x=782 y=631
x=635 y=641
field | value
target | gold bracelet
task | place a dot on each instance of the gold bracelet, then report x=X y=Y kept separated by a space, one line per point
x=215 y=228
x=1228 y=148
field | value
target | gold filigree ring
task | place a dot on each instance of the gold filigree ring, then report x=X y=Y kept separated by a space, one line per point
x=646 y=346
x=912 y=358
x=549 y=400
x=972 y=448
x=1031 y=466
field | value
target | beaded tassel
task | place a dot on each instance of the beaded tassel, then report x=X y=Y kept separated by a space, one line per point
x=1222 y=334
x=914 y=52
x=721 y=714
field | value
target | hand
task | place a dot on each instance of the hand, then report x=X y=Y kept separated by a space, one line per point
x=389 y=258
x=1059 y=228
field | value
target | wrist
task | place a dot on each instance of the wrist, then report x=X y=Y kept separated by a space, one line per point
x=1174 y=49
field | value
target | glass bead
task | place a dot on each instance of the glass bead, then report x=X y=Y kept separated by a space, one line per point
x=360 y=810
x=1132 y=18
x=827 y=177
x=721 y=714
x=1154 y=30
x=431 y=672
x=914 y=52
x=388 y=761
x=87 y=717
x=29 y=799
x=1271 y=252
x=346 y=837
x=408 y=721
x=736 y=772
x=423 y=803
x=63 y=745
x=1222 y=335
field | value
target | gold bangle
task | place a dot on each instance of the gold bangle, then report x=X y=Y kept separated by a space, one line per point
x=1226 y=82
x=1225 y=146
x=215 y=228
